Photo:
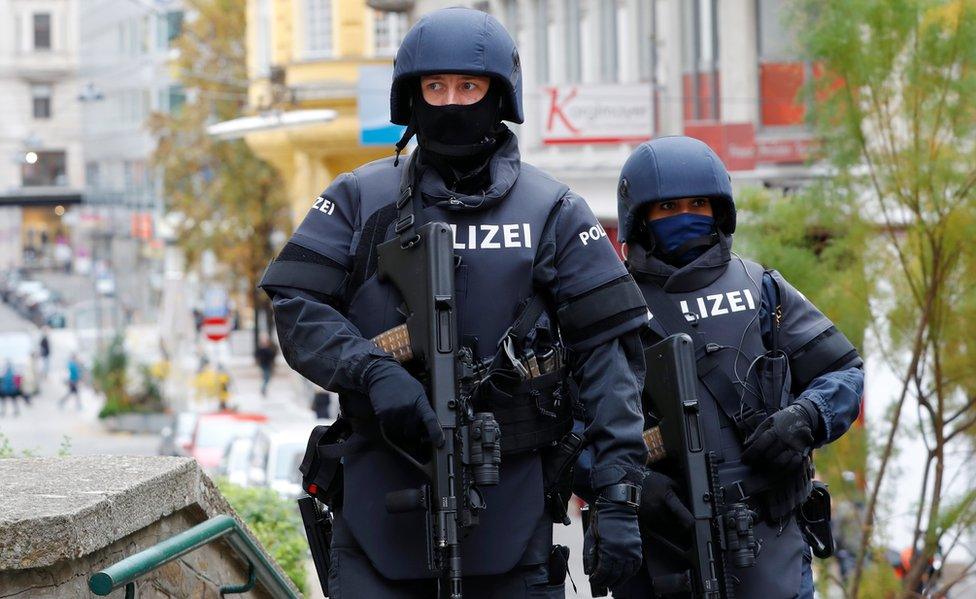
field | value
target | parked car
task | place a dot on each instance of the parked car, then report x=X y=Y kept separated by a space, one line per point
x=214 y=432
x=178 y=436
x=276 y=453
x=236 y=460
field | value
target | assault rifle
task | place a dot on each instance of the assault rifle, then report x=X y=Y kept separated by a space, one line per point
x=721 y=531
x=422 y=269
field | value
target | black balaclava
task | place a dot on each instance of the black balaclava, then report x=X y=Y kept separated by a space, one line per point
x=458 y=140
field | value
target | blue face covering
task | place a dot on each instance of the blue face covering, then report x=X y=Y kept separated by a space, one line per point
x=674 y=231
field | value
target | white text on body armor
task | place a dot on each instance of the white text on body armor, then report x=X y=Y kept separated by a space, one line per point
x=492 y=237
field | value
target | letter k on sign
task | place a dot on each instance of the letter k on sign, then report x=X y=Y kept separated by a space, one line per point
x=556 y=110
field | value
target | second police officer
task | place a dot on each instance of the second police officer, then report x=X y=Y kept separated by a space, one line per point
x=677 y=216
x=519 y=234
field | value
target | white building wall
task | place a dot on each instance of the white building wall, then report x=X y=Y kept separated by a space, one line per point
x=20 y=66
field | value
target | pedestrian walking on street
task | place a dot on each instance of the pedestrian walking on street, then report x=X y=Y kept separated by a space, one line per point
x=28 y=382
x=74 y=379
x=44 y=348
x=8 y=389
x=265 y=356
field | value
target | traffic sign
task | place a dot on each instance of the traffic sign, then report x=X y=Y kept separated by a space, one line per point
x=216 y=328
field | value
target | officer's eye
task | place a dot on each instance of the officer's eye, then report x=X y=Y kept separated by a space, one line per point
x=699 y=202
x=435 y=86
x=667 y=205
x=469 y=86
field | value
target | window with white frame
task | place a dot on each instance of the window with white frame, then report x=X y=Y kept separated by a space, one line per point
x=388 y=31
x=574 y=58
x=42 y=31
x=608 y=39
x=646 y=41
x=542 y=22
x=41 y=100
x=262 y=54
x=511 y=15
x=318 y=28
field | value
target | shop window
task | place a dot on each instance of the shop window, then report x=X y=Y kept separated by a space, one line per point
x=44 y=169
x=699 y=54
x=41 y=100
x=782 y=74
x=42 y=31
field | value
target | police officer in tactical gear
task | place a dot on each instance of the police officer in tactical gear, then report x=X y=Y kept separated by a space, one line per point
x=677 y=217
x=541 y=298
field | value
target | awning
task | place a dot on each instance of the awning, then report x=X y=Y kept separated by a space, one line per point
x=238 y=128
x=42 y=196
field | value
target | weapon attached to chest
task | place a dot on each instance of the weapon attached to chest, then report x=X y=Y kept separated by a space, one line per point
x=722 y=532
x=421 y=267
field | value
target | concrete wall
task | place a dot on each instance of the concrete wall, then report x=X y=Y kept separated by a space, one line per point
x=63 y=519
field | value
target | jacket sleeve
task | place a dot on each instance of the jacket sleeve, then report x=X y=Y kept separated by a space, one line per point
x=599 y=310
x=304 y=284
x=825 y=367
x=837 y=395
x=320 y=343
x=610 y=378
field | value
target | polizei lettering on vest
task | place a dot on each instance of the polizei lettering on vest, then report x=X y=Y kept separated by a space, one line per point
x=592 y=234
x=718 y=304
x=492 y=237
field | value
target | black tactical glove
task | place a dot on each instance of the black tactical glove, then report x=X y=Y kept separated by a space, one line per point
x=612 y=545
x=660 y=502
x=400 y=402
x=783 y=440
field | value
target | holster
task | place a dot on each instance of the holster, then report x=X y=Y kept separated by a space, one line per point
x=557 y=474
x=813 y=516
x=318 y=530
x=321 y=465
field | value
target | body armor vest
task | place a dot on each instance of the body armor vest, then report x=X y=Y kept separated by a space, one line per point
x=725 y=314
x=495 y=249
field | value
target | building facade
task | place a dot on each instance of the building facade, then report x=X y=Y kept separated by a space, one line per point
x=309 y=54
x=602 y=75
x=124 y=76
x=41 y=163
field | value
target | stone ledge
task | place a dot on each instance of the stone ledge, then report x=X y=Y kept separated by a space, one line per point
x=54 y=509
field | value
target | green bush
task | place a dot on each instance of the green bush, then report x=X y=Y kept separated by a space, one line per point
x=110 y=376
x=276 y=524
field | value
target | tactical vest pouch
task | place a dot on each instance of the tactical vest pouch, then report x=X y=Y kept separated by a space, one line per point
x=532 y=413
x=557 y=475
x=772 y=370
x=813 y=516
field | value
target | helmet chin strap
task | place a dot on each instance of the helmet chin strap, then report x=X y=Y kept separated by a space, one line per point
x=405 y=139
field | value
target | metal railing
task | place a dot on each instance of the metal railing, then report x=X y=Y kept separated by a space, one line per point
x=260 y=568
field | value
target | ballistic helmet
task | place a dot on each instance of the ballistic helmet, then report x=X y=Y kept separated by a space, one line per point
x=669 y=168
x=457 y=40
